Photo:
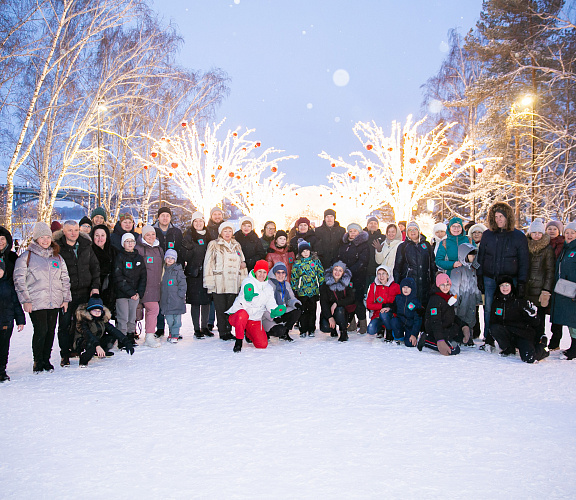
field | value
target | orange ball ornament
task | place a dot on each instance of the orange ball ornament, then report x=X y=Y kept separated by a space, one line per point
x=205 y=151
x=153 y=154
x=390 y=149
x=219 y=167
x=235 y=134
x=274 y=169
x=201 y=144
x=258 y=145
x=333 y=165
x=174 y=164
x=231 y=174
x=281 y=204
x=184 y=124
x=145 y=167
x=353 y=177
x=412 y=160
x=479 y=170
x=369 y=147
x=457 y=161
x=444 y=143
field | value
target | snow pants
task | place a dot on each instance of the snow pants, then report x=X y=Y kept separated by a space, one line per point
x=308 y=317
x=384 y=319
x=529 y=351
x=152 y=310
x=341 y=316
x=288 y=320
x=44 y=323
x=5 y=334
x=253 y=329
x=450 y=334
x=402 y=332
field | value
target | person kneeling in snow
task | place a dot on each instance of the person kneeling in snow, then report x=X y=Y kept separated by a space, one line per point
x=281 y=325
x=94 y=333
x=381 y=295
x=256 y=296
x=337 y=301
x=407 y=311
x=513 y=323
x=441 y=323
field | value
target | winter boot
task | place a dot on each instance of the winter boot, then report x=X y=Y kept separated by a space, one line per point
x=65 y=362
x=389 y=337
x=4 y=376
x=343 y=336
x=570 y=353
x=159 y=333
x=333 y=333
x=509 y=351
x=198 y=334
x=131 y=336
x=210 y=328
x=381 y=333
x=363 y=326
x=286 y=335
x=151 y=340
x=352 y=325
x=48 y=367
x=312 y=334
x=38 y=367
x=421 y=341
x=207 y=332
x=303 y=335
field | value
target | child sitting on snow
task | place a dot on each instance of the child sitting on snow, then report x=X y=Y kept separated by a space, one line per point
x=256 y=296
x=441 y=323
x=94 y=334
x=381 y=295
x=407 y=311
x=173 y=295
x=465 y=288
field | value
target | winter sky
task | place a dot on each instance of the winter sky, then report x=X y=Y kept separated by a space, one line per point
x=304 y=71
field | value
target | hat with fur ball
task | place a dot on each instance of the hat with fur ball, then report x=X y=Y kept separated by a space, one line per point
x=303 y=245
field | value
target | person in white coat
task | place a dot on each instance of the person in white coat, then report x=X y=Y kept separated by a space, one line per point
x=387 y=254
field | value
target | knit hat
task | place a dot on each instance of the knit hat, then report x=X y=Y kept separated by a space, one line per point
x=164 y=210
x=279 y=266
x=570 y=225
x=261 y=265
x=340 y=264
x=556 y=223
x=354 y=225
x=476 y=227
x=455 y=220
x=302 y=220
x=303 y=245
x=41 y=229
x=412 y=225
x=279 y=233
x=372 y=219
x=85 y=220
x=126 y=237
x=125 y=216
x=537 y=226
x=505 y=279
x=197 y=215
x=98 y=211
x=148 y=229
x=247 y=219
x=95 y=302
x=225 y=225
x=171 y=254
x=439 y=227
x=55 y=226
x=442 y=278
x=215 y=209
x=329 y=211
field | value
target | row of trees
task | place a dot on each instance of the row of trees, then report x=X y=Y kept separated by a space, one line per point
x=510 y=84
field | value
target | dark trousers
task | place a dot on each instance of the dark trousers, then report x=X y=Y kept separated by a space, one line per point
x=341 y=317
x=160 y=321
x=89 y=351
x=67 y=322
x=476 y=330
x=529 y=350
x=44 y=323
x=288 y=320
x=5 y=334
x=308 y=317
x=223 y=302
x=556 y=336
x=360 y=307
x=200 y=315
x=403 y=332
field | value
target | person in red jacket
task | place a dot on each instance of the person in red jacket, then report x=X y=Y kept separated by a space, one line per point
x=279 y=251
x=381 y=295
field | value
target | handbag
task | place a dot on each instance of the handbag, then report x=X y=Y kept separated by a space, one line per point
x=565 y=288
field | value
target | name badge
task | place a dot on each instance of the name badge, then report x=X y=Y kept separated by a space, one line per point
x=572 y=254
x=379 y=300
x=499 y=311
x=170 y=244
x=200 y=242
x=170 y=282
x=149 y=260
x=290 y=260
x=56 y=264
x=423 y=246
x=411 y=306
x=433 y=311
x=128 y=265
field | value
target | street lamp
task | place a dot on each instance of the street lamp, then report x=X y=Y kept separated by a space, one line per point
x=100 y=108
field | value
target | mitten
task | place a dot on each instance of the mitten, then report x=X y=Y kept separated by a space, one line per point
x=544 y=298
x=249 y=292
x=238 y=345
x=128 y=345
x=278 y=311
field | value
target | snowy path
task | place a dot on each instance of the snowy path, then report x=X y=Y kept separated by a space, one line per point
x=311 y=419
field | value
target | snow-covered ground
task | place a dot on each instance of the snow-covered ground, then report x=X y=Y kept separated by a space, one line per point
x=312 y=419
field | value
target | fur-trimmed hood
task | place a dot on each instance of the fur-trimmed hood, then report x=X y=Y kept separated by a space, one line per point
x=506 y=209
x=83 y=314
x=340 y=285
x=361 y=238
x=537 y=246
x=463 y=250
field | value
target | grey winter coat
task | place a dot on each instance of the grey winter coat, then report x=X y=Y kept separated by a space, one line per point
x=283 y=294
x=153 y=257
x=465 y=286
x=43 y=280
x=173 y=293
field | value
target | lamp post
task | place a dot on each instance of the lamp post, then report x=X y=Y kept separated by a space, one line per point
x=99 y=108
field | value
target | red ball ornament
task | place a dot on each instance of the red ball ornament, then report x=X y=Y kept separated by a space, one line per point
x=231 y=174
x=168 y=141
x=369 y=147
x=353 y=177
x=412 y=160
x=334 y=204
x=213 y=180
x=444 y=143
x=201 y=144
x=274 y=169
x=174 y=164
x=145 y=167
x=189 y=174
x=153 y=154
x=258 y=145
x=457 y=161
x=235 y=134
x=410 y=182
x=237 y=177
x=369 y=168
x=333 y=165
x=479 y=170
x=243 y=149
x=170 y=174
x=294 y=193
x=205 y=151
x=371 y=175
x=442 y=174
x=219 y=167
x=390 y=149
x=281 y=204
x=184 y=124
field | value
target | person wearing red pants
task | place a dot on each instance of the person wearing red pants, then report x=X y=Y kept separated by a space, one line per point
x=256 y=296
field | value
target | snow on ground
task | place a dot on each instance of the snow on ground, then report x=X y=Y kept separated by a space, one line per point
x=312 y=419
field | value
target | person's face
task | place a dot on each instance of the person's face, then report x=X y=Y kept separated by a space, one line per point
x=170 y=261
x=406 y=290
x=96 y=312
x=127 y=225
x=330 y=220
x=150 y=237
x=226 y=234
x=471 y=257
x=261 y=274
x=477 y=236
x=270 y=230
x=281 y=241
x=337 y=272
x=302 y=227
x=44 y=241
x=553 y=231
x=86 y=228
x=71 y=232
x=372 y=226
x=440 y=234
x=505 y=288
x=445 y=287
x=500 y=220
x=569 y=235
x=98 y=220
x=402 y=227
x=3 y=242
x=280 y=275
x=246 y=227
x=382 y=276
x=306 y=253
x=164 y=218
x=129 y=245
x=413 y=234
x=536 y=236
x=198 y=224
x=100 y=237
x=456 y=229
x=391 y=233
x=217 y=216
x=353 y=233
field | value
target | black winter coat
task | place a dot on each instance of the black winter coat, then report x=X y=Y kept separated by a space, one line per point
x=251 y=248
x=416 y=261
x=503 y=253
x=440 y=320
x=10 y=310
x=129 y=275
x=212 y=228
x=340 y=293
x=372 y=237
x=541 y=270
x=116 y=236
x=194 y=246
x=105 y=258
x=310 y=237
x=328 y=241
x=355 y=254
x=91 y=331
x=82 y=264
x=511 y=312
x=172 y=240
x=7 y=255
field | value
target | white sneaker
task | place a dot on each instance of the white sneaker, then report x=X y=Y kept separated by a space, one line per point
x=173 y=340
x=151 y=340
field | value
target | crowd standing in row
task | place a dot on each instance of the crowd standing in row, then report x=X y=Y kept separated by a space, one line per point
x=395 y=285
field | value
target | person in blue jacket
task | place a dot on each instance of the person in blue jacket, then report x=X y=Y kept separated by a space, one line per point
x=408 y=312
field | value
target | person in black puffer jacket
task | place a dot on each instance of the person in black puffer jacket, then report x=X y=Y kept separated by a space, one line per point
x=251 y=245
x=6 y=253
x=415 y=259
x=375 y=242
x=355 y=253
x=194 y=246
x=514 y=321
x=102 y=248
x=304 y=231
x=124 y=225
x=328 y=238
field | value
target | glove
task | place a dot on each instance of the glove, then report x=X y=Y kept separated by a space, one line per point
x=278 y=311
x=298 y=304
x=128 y=345
x=443 y=348
x=249 y=292
x=544 y=298
x=278 y=320
x=521 y=289
x=531 y=309
x=481 y=286
x=238 y=345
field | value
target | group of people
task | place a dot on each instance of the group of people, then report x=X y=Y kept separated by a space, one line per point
x=395 y=284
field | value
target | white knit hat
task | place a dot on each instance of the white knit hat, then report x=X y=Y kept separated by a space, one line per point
x=197 y=215
x=41 y=229
x=537 y=226
x=127 y=236
x=148 y=229
x=439 y=227
x=225 y=225
x=247 y=219
x=570 y=225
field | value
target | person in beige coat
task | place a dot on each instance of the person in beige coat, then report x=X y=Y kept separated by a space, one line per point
x=224 y=270
x=43 y=287
x=387 y=254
